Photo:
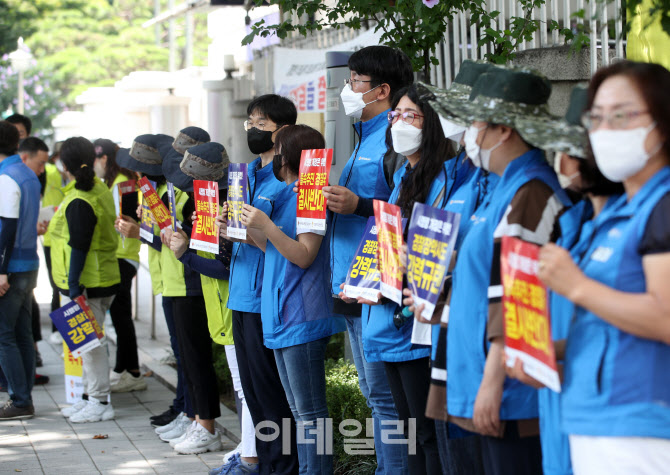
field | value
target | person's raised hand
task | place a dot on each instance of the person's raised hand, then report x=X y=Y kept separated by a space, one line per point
x=340 y=199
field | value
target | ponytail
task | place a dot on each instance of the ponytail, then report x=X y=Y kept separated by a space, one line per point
x=77 y=155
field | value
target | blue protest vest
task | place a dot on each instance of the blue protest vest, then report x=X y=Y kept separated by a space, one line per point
x=470 y=188
x=24 y=255
x=247 y=263
x=467 y=345
x=574 y=223
x=296 y=304
x=617 y=384
x=363 y=175
x=382 y=341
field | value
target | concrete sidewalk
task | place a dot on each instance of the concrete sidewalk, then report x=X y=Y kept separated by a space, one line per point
x=48 y=443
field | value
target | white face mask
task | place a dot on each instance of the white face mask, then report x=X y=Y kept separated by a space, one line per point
x=353 y=101
x=620 y=154
x=406 y=138
x=480 y=157
x=564 y=180
x=452 y=131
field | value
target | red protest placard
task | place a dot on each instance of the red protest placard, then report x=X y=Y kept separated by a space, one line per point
x=526 y=313
x=314 y=173
x=159 y=210
x=205 y=233
x=389 y=236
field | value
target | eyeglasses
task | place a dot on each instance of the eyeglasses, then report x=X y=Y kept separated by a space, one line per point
x=616 y=120
x=250 y=125
x=407 y=117
x=352 y=82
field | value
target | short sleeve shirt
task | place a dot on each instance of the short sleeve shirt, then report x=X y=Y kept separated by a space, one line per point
x=10 y=198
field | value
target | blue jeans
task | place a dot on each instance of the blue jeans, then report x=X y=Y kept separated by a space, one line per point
x=303 y=376
x=17 y=353
x=391 y=458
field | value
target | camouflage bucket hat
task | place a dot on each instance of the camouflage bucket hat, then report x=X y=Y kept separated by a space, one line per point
x=563 y=135
x=190 y=137
x=504 y=95
x=442 y=99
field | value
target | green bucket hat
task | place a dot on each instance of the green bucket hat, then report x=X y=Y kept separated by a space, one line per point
x=441 y=99
x=505 y=95
x=562 y=135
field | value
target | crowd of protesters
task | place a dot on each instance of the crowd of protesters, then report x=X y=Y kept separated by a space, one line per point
x=591 y=188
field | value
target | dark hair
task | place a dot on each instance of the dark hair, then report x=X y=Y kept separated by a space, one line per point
x=653 y=83
x=32 y=145
x=158 y=179
x=77 y=155
x=112 y=169
x=21 y=119
x=280 y=110
x=384 y=65
x=9 y=138
x=435 y=150
x=293 y=140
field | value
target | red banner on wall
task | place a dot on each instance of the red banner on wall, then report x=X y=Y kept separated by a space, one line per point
x=314 y=173
x=526 y=313
x=389 y=236
x=159 y=210
x=205 y=233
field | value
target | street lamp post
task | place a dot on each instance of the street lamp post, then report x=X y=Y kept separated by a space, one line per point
x=20 y=62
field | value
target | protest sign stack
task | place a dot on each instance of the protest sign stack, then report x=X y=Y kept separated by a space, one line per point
x=313 y=176
x=205 y=233
x=389 y=236
x=237 y=198
x=160 y=212
x=363 y=276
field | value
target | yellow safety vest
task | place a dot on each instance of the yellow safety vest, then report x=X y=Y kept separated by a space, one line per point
x=101 y=268
x=219 y=317
x=53 y=193
x=130 y=249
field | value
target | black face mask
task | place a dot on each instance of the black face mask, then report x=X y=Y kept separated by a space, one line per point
x=259 y=141
x=277 y=166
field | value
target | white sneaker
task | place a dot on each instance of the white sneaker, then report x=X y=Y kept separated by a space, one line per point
x=55 y=338
x=94 y=411
x=232 y=453
x=114 y=377
x=127 y=382
x=76 y=407
x=199 y=441
x=179 y=429
x=168 y=427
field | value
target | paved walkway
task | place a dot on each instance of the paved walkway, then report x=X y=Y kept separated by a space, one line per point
x=48 y=443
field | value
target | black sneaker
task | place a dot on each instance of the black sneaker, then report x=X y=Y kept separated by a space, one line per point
x=164 y=418
x=41 y=379
x=10 y=411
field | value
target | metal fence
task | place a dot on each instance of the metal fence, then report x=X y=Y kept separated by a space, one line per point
x=602 y=22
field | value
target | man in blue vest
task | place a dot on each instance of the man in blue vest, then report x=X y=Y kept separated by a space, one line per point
x=377 y=72
x=19 y=209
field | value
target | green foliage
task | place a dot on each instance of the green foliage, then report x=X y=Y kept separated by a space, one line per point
x=406 y=24
x=80 y=44
x=345 y=401
x=223 y=377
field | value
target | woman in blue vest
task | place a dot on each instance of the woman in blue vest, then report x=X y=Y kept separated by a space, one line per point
x=415 y=132
x=296 y=301
x=524 y=204
x=616 y=393
x=591 y=192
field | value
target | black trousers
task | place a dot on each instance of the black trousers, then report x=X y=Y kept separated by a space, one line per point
x=511 y=454
x=121 y=312
x=195 y=350
x=55 y=294
x=409 y=382
x=263 y=393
